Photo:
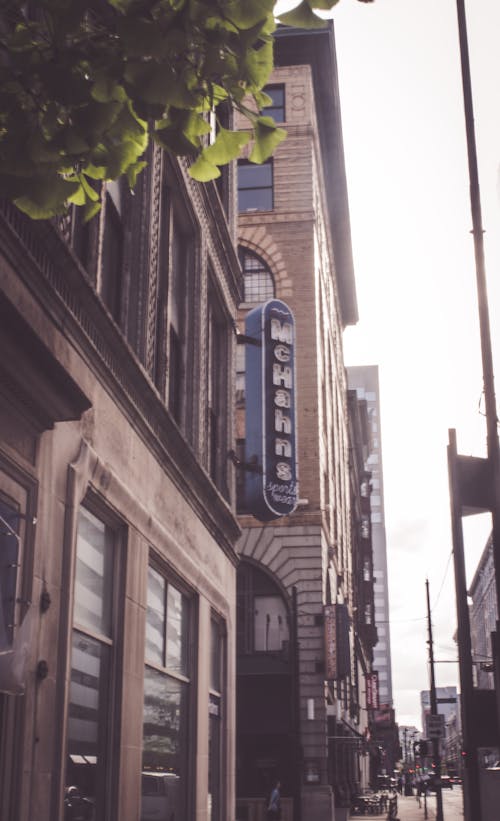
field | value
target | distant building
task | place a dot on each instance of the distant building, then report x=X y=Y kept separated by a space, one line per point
x=408 y=735
x=448 y=704
x=364 y=379
x=483 y=616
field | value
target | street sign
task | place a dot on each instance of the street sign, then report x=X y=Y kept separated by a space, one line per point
x=434 y=726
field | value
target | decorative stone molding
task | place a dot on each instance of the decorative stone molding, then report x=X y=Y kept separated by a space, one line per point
x=257 y=239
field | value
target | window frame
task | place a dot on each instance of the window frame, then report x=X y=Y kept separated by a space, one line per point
x=266 y=286
x=21 y=488
x=268 y=111
x=112 y=689
x=190 y=680
x=257 y=168
x=171 y=331
x=218 y=697
x=219 y=347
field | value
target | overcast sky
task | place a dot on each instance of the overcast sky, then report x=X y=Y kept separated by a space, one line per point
x=404 y=141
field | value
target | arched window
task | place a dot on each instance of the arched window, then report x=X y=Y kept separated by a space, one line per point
x=259 y=283
x=263 y=624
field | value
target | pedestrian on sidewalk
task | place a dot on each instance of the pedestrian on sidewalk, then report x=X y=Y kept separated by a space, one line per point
x=274 y=806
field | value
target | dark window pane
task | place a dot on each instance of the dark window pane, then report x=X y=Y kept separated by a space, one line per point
x=254 y=176
x=277 y=108
x=87 y=721
x=112 y=259
x=255 y=186
x=215 y=655
x=175 y=376
x=214 y=759
x=255 y=199
x=9 y=547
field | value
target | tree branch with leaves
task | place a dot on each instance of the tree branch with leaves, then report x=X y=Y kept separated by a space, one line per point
x=85 y=84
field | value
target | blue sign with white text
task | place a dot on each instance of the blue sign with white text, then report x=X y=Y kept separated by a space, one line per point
x=271 y=490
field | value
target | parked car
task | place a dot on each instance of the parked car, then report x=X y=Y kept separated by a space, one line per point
x=160 y=796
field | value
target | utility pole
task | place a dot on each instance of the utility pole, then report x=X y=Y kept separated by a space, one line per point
x=434 y=712
x=493 y=449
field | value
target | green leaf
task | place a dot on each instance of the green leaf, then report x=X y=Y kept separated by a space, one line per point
x=120 y=157
x=245 y=14
x=262 y=99
x=141 y=38
x=267 y=137
x=203 y=170
x=90 y=210
x=159 y=83
x=258 y=65
x=47 y=197
x=133 y=171
x=106 y=89
x=78 y=198
x=90 y=193
x=302 y=16
x=227 y=146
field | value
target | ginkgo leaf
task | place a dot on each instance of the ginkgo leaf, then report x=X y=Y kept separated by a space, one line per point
x=227 y=146
x=267 y=137
x=203 y=170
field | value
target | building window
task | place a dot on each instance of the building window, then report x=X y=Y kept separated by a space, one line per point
x=262 y=618
x=112 y=250
x=181 y=284
x=218 y=330
x=215 y=719
x=9 y=563
x=90 y=712
x=167 y=678
x=270 y=623
x=255 y=186
x=277 y=108
x=258 y=280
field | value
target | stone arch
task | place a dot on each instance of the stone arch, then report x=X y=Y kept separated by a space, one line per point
x=257 y=239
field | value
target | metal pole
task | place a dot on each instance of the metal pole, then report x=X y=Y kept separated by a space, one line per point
x=493 y=450
x=434 y=712
x=472 y=798
x=484 y=322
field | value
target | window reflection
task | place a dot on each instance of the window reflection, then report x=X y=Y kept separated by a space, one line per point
x=89 y=697
x=166 y=714
x=270 y=623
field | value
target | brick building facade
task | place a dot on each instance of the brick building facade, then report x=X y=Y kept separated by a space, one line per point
x=296 y=722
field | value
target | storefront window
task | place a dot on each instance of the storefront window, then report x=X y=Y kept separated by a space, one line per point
x=166 y=696
x=89 y=714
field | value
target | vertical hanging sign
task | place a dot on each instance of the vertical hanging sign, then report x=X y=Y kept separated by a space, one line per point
x=271 y=488
x=372 y=696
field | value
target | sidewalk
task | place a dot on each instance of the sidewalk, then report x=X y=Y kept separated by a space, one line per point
x=408 y=810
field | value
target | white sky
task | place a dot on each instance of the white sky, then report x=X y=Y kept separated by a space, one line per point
x=404 y=142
